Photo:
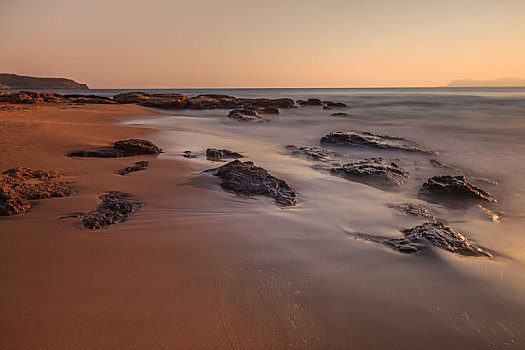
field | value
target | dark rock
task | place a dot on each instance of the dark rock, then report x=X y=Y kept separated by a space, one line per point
x=15 y=192
x=335 y=104
x=222 y=153
x=374 y=169
x=246 y=179
x=142 y=165
x=188 y=154
x=114 y=209
x=412 y=209
x=327 y=108
x=124 y=148
x=438 y=235
x=213 y=102
x=132 y=97
x=454 y=188
x=245 y=115
x=339 y=114
x=361 y=139
x=314 y=153
x=32 y=97
x=310 y=102
x=148 y=99
x=269 y=110
x=266 y=102
x=88 y=99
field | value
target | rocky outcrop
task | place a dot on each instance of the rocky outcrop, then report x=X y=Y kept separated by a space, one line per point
x=115 y=208
x=124 y=148
x=266 y=102
x=139 y=166
x=446 y=188
x=158 y=100
x=436 y=234
x=32 y=97
x=212 y=102
x=13 y=81
x=246 y=179
x=16 y=192
x=245 y=114
x=412 y=209
x=367 y=139
x=88 y=99
x=213 y=153
x=314 y=153
x=372 y=169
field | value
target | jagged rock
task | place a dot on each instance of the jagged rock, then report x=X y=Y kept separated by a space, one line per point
x=314 y=153
x=246 y=179
x=124 y=148
x=142 y=165
x=361 y=139
x=335 y=104
x=438 y=235
x=310 y=102
x=114 y=209
x=339 y=114
x=245 y=115
x=269 y=110
x=373 y=169
x=15 y=192
x=454 y=188
x=412 y=209
x=222 y=153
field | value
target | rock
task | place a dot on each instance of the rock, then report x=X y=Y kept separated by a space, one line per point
x=213 y=102
x=222 y=153
x=327 y=108
x=412 y=209
x=245 y=115
x=335 y=104
x=32 y=97
x=438 y=235
x=310 y=102
x=114 y=209
x=314 y=153
x=132 y=97
x=188 y=154
x=339 y=114
x=142 y=165
x=269 y=110
x=362 y=139
x=454 y=188
x=266 y=102
x=124 y=148
x=15 y=192
x=246 y=179
x=13 y=81
x=148 y=99
x=88 y=99
x=374 y=169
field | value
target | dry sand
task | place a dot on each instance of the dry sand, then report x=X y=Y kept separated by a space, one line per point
x=196 y=269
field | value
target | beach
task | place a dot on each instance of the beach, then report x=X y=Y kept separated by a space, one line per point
x=198 y=267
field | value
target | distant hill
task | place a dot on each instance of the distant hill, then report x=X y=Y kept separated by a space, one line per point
x=13 y=81
x=487 y=83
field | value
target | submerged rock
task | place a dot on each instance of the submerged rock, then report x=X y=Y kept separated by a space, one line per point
x=245 y=115
x=362 y=139
x=15 y=192
x=374 y=169
x=269 y=110
x=142 y=165
x=438 y=235
x=246 y=179
x=314 y=153
x=453 y=188
x=114 y=209
x=339 y=114
x=412 y=209
x=335 y=104
x=222 y=153
x=188 y=154
x=310 y=102
x=124 y=148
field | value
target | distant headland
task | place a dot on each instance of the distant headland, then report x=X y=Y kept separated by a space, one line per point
x=501 y=82
x=13 y=81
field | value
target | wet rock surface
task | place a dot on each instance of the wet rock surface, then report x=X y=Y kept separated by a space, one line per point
x=314 y=153
x=436 y=234
x=246 y=179
x=139 y=166
x=214 y=153
x=367 y=139
x=412 y=209
x=115 y=208
x=377 y=169
x=453 y=188
x=16 y=192
x=269 y=110
x=155 y=100
x=310 y=102
x=189 y=154
x=245 y=114
x=124 y=148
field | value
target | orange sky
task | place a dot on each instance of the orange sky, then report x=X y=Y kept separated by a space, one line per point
x=250 y=43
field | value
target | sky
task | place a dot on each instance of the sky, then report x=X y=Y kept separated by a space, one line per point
x=263 y=43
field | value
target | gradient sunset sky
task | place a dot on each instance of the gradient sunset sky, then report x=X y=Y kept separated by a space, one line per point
x=286 y=43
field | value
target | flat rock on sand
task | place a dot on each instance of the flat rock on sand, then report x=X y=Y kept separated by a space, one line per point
x=368 y=139
x=15 y=192
x=373 y=169
x=246 y=179
x=139 y=166
x=124 y=148
x=114 y=209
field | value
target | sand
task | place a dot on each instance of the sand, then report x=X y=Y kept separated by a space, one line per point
x=200 y=268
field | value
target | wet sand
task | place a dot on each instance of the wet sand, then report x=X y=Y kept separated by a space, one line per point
x=200 y=268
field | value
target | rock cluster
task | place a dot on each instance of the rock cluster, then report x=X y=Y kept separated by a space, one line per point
x=15 y=192
x=114 y=209
x=142 y=165
x=124 y=148
x=246 y=179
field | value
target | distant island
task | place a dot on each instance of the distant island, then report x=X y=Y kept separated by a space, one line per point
x=13 y=81
x=487 y=83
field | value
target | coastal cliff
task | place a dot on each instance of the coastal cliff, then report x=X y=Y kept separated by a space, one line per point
x=13 y=81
